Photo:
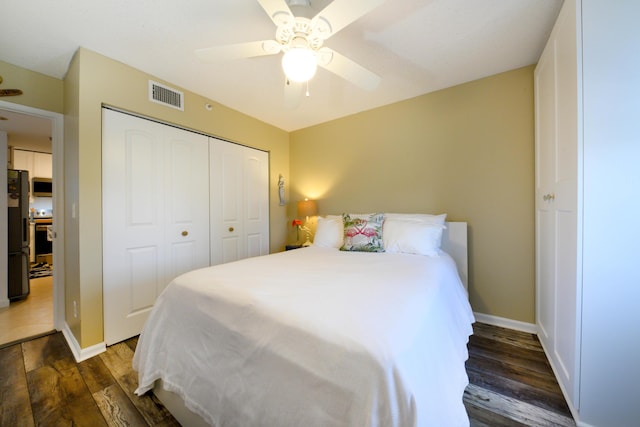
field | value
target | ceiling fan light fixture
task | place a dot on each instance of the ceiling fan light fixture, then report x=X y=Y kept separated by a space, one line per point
x=299 y=64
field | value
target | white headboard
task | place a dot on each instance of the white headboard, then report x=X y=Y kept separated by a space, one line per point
x=454 y=242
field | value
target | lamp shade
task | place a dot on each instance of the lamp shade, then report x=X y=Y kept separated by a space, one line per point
x=299 y=64
x=307 y=208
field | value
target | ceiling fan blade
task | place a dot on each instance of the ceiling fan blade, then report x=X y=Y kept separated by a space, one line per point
x=292 y=94
x=278 y=10
x=347 y=69
x=239 y=50
x=340 y=13
x=10 y=92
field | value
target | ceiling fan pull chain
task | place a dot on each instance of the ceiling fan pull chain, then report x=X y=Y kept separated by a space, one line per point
x=307 y=88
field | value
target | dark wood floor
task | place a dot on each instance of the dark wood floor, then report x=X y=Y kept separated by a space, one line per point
x=42 y=385
x=511 y=384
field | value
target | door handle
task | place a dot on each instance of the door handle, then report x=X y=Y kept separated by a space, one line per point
x=185 y=233
x=549 y=197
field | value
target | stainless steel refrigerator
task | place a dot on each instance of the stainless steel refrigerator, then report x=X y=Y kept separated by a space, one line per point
x=18 y=233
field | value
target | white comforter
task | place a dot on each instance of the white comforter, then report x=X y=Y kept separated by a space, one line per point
x=314 y=337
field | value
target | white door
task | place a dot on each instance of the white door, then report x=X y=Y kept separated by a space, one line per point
x=256 y=202
x=239 y=202
x=557 y=243
x=155 y=215
x=545 y=215
x=226 y=202
x=186 y=195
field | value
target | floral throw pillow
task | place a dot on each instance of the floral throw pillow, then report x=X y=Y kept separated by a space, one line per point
x=363 y=233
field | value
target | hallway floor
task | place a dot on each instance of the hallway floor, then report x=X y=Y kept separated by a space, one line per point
x=31 y=316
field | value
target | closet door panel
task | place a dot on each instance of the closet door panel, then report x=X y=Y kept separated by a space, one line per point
x=565 y=203
x=239 y=201
x=133 y=218
x=142 y=231
x=230 y=195
x=155 y=215
x=142 y=191
x=230 y=249
x=256 y=173
x=566 y=301
x=557 y=199
x=142 y=285
x=186 y=201
x=545 y=216
x=226 y=205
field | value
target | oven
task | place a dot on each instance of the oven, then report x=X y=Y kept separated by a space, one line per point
x=42 y=240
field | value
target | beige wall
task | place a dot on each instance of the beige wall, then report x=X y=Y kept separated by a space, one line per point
x=39 y=91
x=467 y=151
x=94 y=80
x=71 y=229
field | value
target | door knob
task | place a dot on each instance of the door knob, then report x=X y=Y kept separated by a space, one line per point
x=185 y=233
x=230 y=229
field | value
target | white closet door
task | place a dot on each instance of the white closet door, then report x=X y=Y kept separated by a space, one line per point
x=239 y=202
x=225 y=163
x=186 y=202
x=155 y=186
x=256 y=207
x=557 y=239
x=545 y=215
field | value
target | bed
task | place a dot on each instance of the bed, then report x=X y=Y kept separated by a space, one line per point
x=314 y=337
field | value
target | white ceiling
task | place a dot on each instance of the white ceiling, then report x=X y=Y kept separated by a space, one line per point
x=415 y=46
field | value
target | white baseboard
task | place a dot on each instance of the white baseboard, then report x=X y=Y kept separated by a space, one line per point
x=81 y=354
x=506 y=323
x=4 y=303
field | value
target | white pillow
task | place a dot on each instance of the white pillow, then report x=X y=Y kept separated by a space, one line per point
x=412 y=236
x=436 y=219
x=329 y=232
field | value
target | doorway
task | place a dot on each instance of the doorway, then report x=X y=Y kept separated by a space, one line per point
x=24 y=129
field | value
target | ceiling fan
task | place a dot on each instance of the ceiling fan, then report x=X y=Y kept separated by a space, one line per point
x=301 y=40
x=9 y=92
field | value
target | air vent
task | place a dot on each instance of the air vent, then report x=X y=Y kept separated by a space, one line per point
x=166 y=96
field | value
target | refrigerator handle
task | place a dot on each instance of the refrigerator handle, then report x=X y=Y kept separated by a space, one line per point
x=25 y=230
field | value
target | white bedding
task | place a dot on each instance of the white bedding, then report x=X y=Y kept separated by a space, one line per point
x=314 y=337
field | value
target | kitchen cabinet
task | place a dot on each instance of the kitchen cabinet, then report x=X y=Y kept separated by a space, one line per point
x=23 y=160
x=42 y=165
x=38 y=164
